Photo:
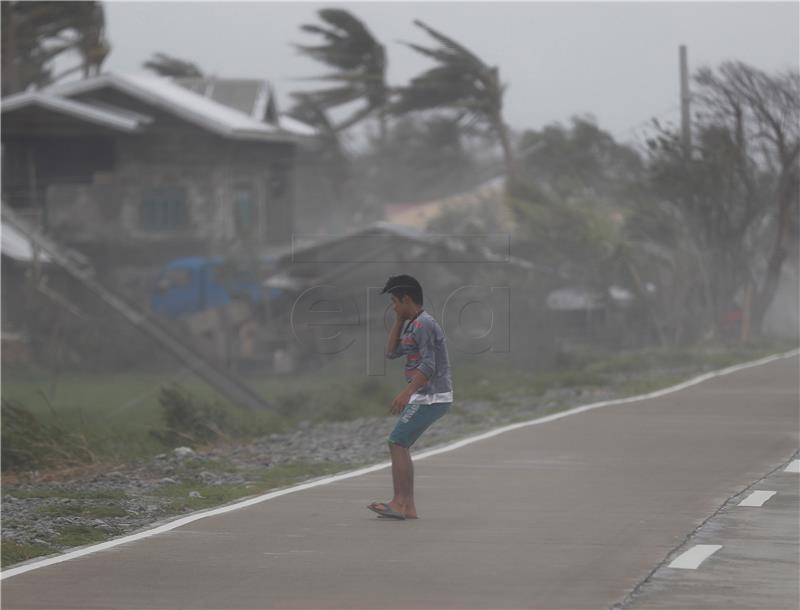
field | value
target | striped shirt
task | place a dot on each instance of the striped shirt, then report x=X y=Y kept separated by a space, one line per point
x=423 y=343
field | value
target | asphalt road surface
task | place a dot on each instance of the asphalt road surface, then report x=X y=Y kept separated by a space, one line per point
x=574 y=513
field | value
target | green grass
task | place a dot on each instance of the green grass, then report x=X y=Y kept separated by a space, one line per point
x=263 y=480
x=212 y=495
x=645 y=385
x=96 y=512
x=13 y=552
x=79 y=535
x=117 y=414
x=52 y=492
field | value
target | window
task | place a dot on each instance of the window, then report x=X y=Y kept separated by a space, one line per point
x=164 y=209
x=245 y=211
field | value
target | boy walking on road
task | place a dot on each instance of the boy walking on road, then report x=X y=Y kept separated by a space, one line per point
x=429 y=391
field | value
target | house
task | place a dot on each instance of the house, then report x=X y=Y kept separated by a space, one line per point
x=489 y=194
x=136 y=168
x=334 y=307
x=28 y=273
x=251 y=96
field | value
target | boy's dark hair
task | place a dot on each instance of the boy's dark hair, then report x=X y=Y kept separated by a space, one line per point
x=400 y=285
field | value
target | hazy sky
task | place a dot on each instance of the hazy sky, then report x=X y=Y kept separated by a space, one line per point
x=617 y=61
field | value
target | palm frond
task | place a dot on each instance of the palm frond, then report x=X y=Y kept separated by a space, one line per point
x=450 y=43
x=338 y=96
x=354 y=29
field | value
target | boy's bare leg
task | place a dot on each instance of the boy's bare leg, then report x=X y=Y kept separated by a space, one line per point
x=396 y=468
x=403 y=478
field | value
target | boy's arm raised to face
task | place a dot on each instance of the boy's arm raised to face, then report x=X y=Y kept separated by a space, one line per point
x=394 y=339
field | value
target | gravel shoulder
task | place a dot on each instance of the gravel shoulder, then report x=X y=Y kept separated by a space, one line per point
x=46 y=513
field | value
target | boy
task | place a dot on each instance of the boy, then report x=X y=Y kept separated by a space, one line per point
x=427 y=396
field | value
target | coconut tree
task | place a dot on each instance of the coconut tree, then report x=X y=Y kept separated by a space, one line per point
x=36 y=33
x=360 y=64
x=91 y=44
x=460 y=80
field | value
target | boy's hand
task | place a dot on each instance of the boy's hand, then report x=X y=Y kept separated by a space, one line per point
x=400 y=401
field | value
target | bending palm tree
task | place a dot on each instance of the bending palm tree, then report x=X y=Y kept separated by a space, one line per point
x=361 y=63
x=36 y=33
x=463 y=81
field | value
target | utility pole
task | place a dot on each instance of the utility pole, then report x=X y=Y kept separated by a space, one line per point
x=686 y=124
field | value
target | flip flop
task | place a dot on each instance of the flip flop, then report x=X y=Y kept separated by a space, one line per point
x=386 y=517
x=387 y=511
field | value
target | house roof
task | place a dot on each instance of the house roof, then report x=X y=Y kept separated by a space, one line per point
x=173 y=98
x=420 y=213
x=247 y=95
x=117 y=119
x=453 y=247
x=19 y=246
x=243 y=94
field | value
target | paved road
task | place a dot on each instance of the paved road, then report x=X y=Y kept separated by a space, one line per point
x=757 y=566
x=573 y=513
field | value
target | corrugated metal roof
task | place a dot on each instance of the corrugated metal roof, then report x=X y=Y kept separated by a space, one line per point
x=241 y=94
x=105 y=116
x=193 y=107
x=248 y=95
x=18 y=246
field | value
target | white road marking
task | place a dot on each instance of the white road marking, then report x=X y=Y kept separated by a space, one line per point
x=171 y=525
x=757 y=498
x=794 y=466
x=696 y=555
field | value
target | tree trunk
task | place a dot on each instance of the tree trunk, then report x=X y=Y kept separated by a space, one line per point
x=764 y=299
x=508 y=151
x=10 y=54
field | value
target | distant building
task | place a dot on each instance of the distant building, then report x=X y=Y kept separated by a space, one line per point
x=489 y=194
x=139 y=168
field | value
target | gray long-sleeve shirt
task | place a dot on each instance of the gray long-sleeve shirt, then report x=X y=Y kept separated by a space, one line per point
x=423 y=343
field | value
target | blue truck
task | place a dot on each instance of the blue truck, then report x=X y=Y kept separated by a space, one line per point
x=197 y=283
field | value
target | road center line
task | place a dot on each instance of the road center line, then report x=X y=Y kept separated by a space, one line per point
x=794 y=466
x=757 y=498
x=696 y=555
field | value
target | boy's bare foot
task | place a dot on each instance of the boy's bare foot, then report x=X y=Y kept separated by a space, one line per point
x=409 y=513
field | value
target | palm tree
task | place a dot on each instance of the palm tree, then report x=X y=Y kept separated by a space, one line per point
x=91 y=44
x=360 y=61
x=461 y=80
x=35 y=33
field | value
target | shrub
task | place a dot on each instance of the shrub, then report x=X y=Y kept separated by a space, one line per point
x=190 y=420
x=29 y=443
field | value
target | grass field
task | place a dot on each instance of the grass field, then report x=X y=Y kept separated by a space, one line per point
x=112 y=418
x=111 y=504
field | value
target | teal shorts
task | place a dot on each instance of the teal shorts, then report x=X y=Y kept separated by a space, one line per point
x=414 y=420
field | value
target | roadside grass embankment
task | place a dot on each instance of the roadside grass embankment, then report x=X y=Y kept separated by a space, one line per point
x=60 y=438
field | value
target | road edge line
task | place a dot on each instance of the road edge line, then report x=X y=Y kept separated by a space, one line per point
x=181 y=521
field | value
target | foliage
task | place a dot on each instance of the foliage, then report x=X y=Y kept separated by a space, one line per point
x=191 y=421
x=35 y=34
x=460 y=81
x=736 y=190
x=29 y=443
x=360 y=63
x=421 y=158
x=581 y=163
